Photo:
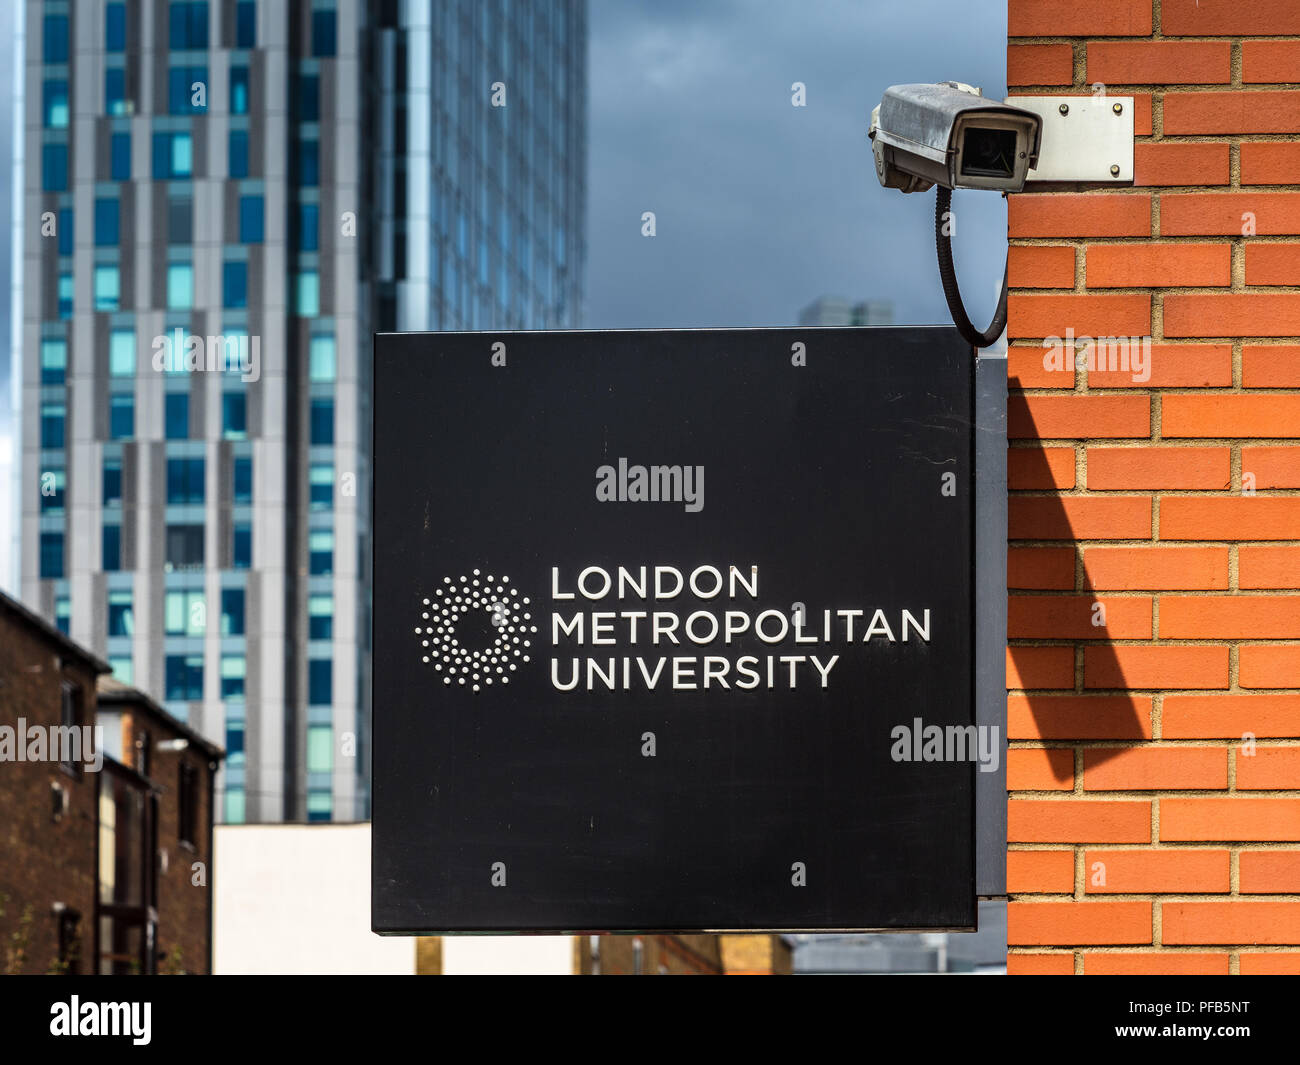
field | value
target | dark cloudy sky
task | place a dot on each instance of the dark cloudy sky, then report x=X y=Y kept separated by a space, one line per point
x=761 y=207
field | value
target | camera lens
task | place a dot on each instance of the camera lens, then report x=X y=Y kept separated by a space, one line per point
x=988 y=152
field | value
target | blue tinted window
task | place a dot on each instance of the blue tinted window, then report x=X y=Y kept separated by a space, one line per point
x=308 y=164
x=112 y=548
x=308 y=97
x=234 y=284
x=54 y=361
x=232 y=612
x=120 y=156
x=184 y=480
x=234 y=414
x=53 y=484
x=54 y=418
x=67 y=231
x=55 y=103
x=239 y=90
x=172 y=155
x=188 y=24
x=308 y=227
x=178 y=415
x=51 y=554
x=181 y=83
x=65 y=295
x=320 y=688
x=245 y=24
x=114 y=91
x=54 y=167
x=112 y=481
x=239 y=153
x=121 y=416
x=250 y=219
x=322 y=421
x=108 y=287
x=242 y=555
x=55 y=38
x=120 y=620
x=114 y=27
x=184 y=676
x=320 y=548
x=106 y=223
x=243 y=487
x=323 y=32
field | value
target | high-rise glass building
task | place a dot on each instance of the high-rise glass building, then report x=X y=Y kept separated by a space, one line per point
x=222 y=201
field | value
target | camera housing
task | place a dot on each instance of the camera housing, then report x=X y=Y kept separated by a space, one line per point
x=951 y=135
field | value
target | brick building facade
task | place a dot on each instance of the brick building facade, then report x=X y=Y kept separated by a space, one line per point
x=105 y=857
x=1154 y=518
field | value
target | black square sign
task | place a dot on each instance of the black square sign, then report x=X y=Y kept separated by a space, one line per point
x=673 y=631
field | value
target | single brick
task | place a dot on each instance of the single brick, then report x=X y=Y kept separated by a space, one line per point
x=1158 y=666
x=1196 y=923
x=1154 y=768
x=1243 y=518
x=1158 y=265
x=1159 y=62
x=1235 y=111
x=1080 y=717
x=1270 y=366
x=1156 y=568
x=1237 y=415
x=1229 y=820
x=1272 y=467
x=1078 y=417
x=1270 y=872
x=1269 y=769
x=1040 y=667
x=1041 y=468
x=1065 y=18
x=1040 y=64
x=1157 y=963
x=1200 y=18
x=1185 y=717
x=1169 y=163
x=1079 y=821
x=1059 y=964
x=1042 y=924
x=1034 y=366
x=1079 y=617
x=1040 y=568
x=1242 y=617
x=1268 y=567
x=1040 y=266
x=1231 y=314
x=1040 y=871
x=1119 y=468
x=1270 y=62
x=1269 y=163
x=1078 y=214
x=1165 y=366
x=1088 y=314
x=1273 y=963
x=1038 y=769
x=1273 y=264
x=1081 y=518
x=1268 y=665
x=1123 y=872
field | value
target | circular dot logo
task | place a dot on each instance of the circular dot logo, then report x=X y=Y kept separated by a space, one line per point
x=475 y=630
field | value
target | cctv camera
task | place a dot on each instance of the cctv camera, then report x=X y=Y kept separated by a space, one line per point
x=950 y=135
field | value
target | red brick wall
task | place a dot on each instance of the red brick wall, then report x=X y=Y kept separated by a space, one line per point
x=1154 y=617
x=42 y=860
